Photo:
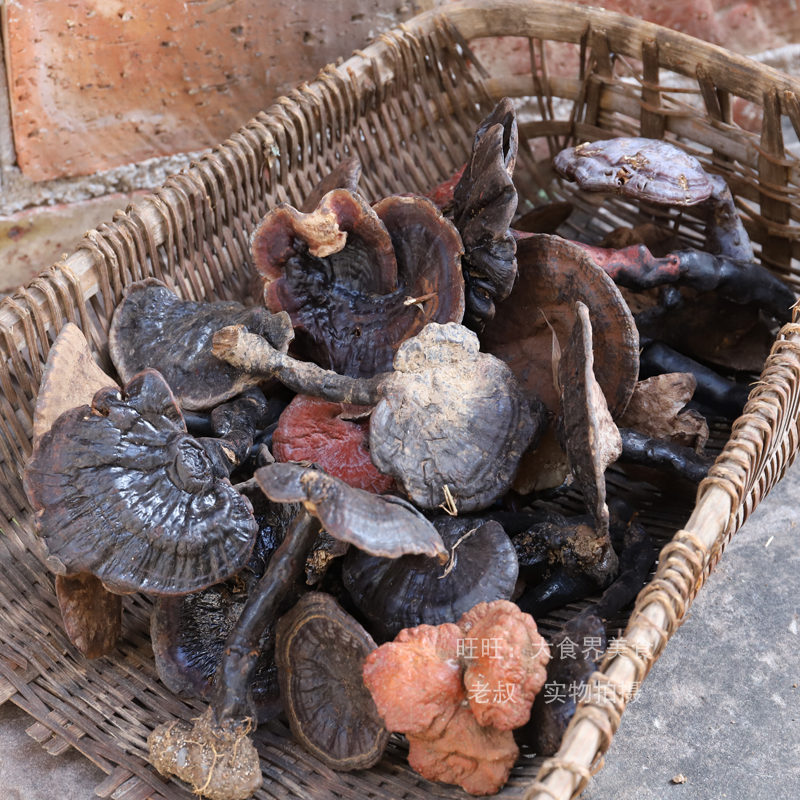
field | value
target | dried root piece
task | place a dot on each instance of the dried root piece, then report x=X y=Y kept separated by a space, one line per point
x=217 y=760
x=657 y=409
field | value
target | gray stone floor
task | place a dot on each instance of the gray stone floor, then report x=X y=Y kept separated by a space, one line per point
x=721 y=707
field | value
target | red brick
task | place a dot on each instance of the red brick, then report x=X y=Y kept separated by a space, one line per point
x=99 y=83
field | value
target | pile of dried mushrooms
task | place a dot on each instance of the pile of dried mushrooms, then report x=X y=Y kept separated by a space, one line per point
x=331 y=491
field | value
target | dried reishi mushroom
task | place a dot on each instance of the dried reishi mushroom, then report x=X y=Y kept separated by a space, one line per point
x=484 y=203
x=451 y=416
x=357 y=281
x=657 y=409
x=544 y=219
x=476 y=758
x=589 y=436
x=384 y=526
x=345 y=175
x=449 y=419
x=153 y=327
x=542 y=468
x=442 y=194
x=219 y=761
x=413 y=590
x=505 y=665
x=92 y=615
x=415 y=680
x=326 y=549
x=321 y=652
x=553 y=275
x=121 y=491
x=658 y=172
x=334 y=436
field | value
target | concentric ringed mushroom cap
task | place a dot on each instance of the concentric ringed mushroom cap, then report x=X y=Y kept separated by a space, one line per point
x=153 y=328
x=330 y=710
x=382 y=526
x=121 y=491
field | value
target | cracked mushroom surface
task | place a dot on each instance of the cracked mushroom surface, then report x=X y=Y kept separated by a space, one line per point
x=330 y=711
x=153 y=328
x=121 y=491
x=553 y=275
x=358 y=280
x=405 y=592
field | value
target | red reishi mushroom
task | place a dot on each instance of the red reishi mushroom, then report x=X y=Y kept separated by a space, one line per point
x=477 y=758
x=333 y=435
x=505 y=663
x=415 y=680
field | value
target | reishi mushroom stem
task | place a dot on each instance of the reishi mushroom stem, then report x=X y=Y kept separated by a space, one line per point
x=254 y=354
x=240 y=656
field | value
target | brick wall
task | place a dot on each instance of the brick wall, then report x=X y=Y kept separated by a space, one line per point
x=100 y=99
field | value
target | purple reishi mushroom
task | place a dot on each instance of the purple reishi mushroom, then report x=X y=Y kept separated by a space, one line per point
x=658 y=172
x=357 y=280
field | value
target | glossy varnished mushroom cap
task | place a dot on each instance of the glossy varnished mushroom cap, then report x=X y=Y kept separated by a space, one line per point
x=345 y=175
x=382 y=526
x=645 y=169
x=450 y=416
x=553 y=275
x=590 y=437
x=153 y=328
x=358 y=281
x=121 y=491
x=321 y=652
x=413 y=590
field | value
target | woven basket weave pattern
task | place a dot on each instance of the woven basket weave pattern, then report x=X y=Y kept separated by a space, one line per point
x=407 y=106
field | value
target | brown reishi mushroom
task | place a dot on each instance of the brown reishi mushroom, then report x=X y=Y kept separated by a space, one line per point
x=356 y=280
x=449 y=419
x=121 y=491
x=657 y=409
x=345 y=175
x=416 y=680
x=484 y=203
x=92 y=615
x=333 y=435
x=479 y=759
x=589 y=436
x=505 y=665
x=153 y=328
x=394 y=594
x=553 y=275
x=321 y=652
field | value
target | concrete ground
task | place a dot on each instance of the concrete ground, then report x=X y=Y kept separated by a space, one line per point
x=721 y=707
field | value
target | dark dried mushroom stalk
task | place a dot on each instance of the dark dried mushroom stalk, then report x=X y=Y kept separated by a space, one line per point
x=356 y=280
x=681 y=462
x=321 y=652
x=484 y=203
x=553 y=275
x=414 y=590
x=449 y=416
x=122 y=492
x=589 y=436
x=153 y=327
x=384 y=526
x=658 y=172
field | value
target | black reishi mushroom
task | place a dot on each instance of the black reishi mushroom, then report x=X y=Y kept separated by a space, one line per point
x=121 y=491
x=357 y=280
x=484 y=203
x=405 y=592
x=153 y=328
x=449 y=416
x=320 y=653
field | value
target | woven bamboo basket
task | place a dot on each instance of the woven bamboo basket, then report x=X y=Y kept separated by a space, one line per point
x=407 y=105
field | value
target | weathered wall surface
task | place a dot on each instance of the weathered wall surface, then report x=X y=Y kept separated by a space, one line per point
x=103 y=98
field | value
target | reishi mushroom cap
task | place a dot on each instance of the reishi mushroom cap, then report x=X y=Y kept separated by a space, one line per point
x=646 y=169
x=553 y=275
x=321 y=652
x=121 y=491
x=153 y=327
x=356 y=280
x=450 y=416
x=394 y=594
x=382 y=526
